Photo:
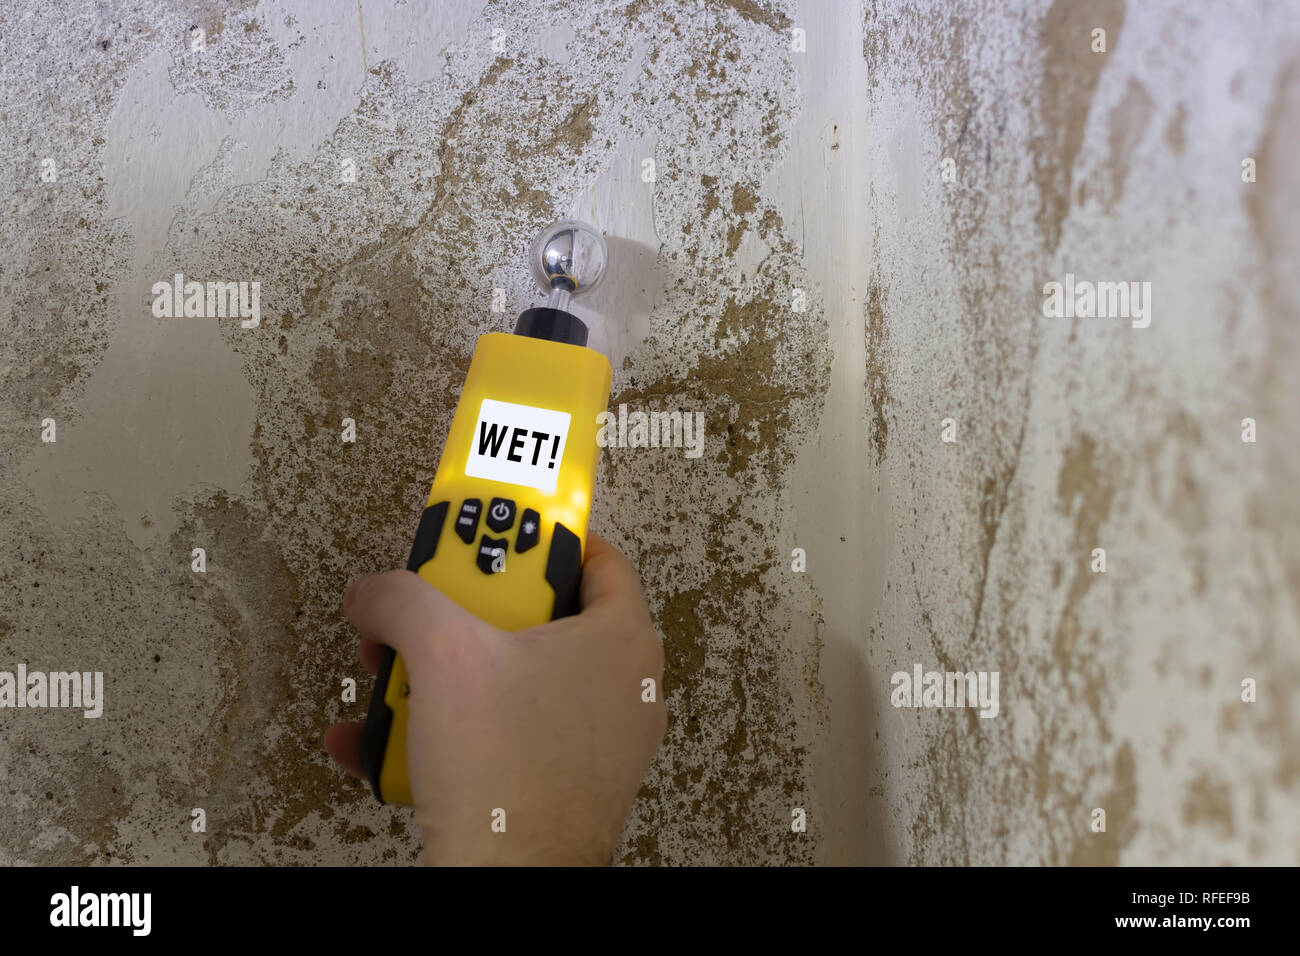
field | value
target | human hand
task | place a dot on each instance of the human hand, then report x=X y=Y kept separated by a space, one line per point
x=547 y=724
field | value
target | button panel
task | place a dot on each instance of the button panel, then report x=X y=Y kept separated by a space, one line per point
x=499 y=517
x=501 y=514
x=467 y=521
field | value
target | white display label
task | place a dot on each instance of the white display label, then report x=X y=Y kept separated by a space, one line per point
x=518 y=444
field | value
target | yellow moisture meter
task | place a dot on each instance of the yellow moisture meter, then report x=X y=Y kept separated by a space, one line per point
x=505 y=524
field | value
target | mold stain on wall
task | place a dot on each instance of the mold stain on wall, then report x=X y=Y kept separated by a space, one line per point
x=373 y=293
x=1084 y=656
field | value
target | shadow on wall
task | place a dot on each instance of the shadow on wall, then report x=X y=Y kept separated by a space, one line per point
x=618 y=312
x=855 y=832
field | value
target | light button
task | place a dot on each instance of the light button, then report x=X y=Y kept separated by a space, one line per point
x=530 y=528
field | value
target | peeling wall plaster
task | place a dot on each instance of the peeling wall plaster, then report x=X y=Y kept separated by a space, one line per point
x=776 y=171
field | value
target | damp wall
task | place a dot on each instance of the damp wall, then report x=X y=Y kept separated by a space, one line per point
x=831 y=227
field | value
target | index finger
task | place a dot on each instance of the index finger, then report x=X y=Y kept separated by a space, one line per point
x=404 y=611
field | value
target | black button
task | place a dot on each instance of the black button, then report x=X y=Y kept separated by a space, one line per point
x=492 y=555
x=501 y=514
x=467 y=523
x=530 y=529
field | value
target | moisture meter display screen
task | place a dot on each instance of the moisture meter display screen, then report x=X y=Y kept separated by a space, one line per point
x=518 y=444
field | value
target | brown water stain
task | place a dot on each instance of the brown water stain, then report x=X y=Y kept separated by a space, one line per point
x=1176 y=130
x=1208 y=802
x=878 y=397
x=1128 y=123
x=1084 y=490
x=1104 y=849
x=765 y=14
x=255 y=599
x=1066 y=86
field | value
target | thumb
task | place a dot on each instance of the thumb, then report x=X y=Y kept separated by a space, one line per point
x=406 y=612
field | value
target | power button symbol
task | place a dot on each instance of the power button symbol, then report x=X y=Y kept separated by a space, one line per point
x=501 y=514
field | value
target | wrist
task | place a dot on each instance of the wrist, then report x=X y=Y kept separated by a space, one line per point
x=442 y=848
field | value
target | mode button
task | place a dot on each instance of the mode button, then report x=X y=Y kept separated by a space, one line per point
x=467 y=520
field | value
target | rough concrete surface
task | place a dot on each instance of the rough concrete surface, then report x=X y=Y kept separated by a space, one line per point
x=840 y=260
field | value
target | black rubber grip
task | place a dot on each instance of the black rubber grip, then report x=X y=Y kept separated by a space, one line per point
x=564 y=571
x=379 y=722
x=379 y=719
x=426 y=536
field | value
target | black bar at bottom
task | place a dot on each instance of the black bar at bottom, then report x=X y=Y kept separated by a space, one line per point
x=932 y=909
